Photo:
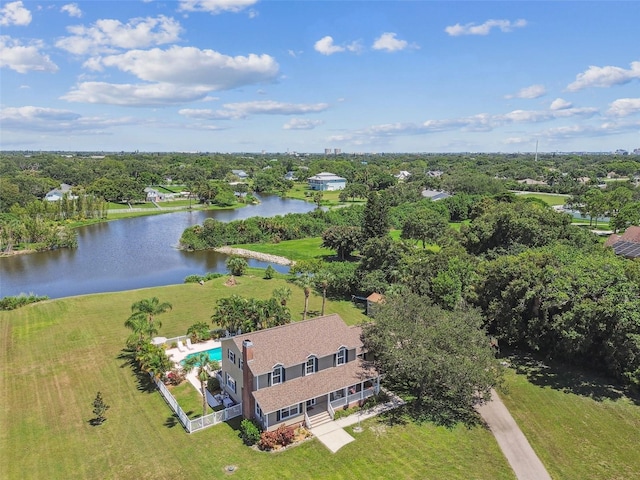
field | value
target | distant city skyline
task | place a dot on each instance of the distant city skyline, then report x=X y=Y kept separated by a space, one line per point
x=293 y=76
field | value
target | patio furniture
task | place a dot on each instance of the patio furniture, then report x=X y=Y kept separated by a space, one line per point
x=189 y=345
x=181 y=346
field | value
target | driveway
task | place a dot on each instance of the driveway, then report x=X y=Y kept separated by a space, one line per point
x=515 y=446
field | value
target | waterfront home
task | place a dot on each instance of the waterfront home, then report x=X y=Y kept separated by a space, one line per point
x=299 y=373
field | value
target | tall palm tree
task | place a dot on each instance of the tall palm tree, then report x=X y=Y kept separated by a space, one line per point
x=322 y=280
x=148 y=309
x=202 y=362
x=305 y=282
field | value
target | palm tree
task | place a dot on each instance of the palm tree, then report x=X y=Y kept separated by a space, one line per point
x=202 y=362
x=305 y=282
x=282 y=294
x=322 y=280
x=148 y=309
x=142 y=331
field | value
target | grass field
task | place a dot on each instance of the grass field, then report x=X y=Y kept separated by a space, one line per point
x=301 y=191
x=580 y=426
x=57 y=354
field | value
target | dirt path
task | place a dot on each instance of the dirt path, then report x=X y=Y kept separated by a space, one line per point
x=515 y=446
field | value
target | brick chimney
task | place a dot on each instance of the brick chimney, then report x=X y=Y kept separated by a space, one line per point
x=248 y=406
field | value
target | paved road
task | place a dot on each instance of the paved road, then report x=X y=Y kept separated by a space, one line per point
x=514 y=445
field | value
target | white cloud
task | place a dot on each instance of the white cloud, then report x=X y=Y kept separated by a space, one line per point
x=388 y=42
x=56 y=121
x=192 y=66
x=560 y=104
x=215 y=7
x=624 y=107
x=108 y=35
x=325 y=46
x=14 y=13
x=533 y=91
x=135 y=95
x=301 y=124
x=24 y=58
x=485 y=28
x=72 y=9
x=605 y=77
x=244 y=109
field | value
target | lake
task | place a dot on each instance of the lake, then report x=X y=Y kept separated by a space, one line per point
x=130 y=253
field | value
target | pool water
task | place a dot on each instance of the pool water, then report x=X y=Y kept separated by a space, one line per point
x=214 y=354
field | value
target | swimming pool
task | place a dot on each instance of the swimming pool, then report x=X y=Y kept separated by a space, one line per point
x=214 y=354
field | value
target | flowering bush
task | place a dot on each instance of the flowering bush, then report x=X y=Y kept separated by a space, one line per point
x=281 y=437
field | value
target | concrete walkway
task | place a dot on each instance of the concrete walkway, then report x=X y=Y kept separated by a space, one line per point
x=515 y=446
x=332 y=435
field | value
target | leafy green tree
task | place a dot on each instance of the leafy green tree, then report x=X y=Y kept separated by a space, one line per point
x=425 y=226
x=342 y=238
x=441 y=360
x=99 y=410
x=376 y=217
x=282 y=294
x=236 y=265
x=317 y=199
x=321 y=281
x=627 y=216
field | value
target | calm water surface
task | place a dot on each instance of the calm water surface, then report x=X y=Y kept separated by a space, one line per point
x=128 y=254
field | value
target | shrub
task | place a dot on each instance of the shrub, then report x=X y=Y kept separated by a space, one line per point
x=175 y=377
x=269 y=272
x=236 y=265
x=199 y=332
x=280 y=437
x=213 y=384
x=11 y=303
x=249 y=432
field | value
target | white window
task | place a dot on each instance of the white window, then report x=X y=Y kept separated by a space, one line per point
x=231 y=356
x=310 y=366
x=341 y=357
x=311 y=403
x=288 y=412
x=231 y=383
x=240 y=363
x=276 y=375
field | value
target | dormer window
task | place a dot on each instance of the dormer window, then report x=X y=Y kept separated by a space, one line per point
x=276 y=375
x=341 y=357
x=311 y=366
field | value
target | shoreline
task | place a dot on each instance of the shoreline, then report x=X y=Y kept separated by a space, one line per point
x=263 y=257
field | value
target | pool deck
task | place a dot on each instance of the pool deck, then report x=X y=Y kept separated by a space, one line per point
x=177 y=356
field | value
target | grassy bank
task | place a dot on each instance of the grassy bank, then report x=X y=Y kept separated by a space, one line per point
x=56 y=355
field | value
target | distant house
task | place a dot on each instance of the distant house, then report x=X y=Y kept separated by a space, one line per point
x=435 y=195
x=403 y=175
x=241 y=174
x=325 y=181
x=154 y=195
x=290 y=176
x=297 y=373
x=56 y=194
x=627 y=244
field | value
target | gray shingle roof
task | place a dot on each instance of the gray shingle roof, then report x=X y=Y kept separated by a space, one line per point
x=291 y=344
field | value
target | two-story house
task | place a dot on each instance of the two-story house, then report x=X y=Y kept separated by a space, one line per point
x=325 y=181
x=291 y=373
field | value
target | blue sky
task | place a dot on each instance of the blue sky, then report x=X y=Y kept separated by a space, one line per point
x=362 y=76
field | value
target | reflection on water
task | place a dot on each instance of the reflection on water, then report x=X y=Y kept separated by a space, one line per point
x=128 y=254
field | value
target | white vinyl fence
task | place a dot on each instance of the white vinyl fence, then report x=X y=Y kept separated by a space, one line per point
x=202 y=422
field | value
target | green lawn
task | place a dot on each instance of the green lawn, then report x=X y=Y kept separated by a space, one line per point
x=580 y=426
x=57 y=354
x=301 y=191
x=296 y=250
